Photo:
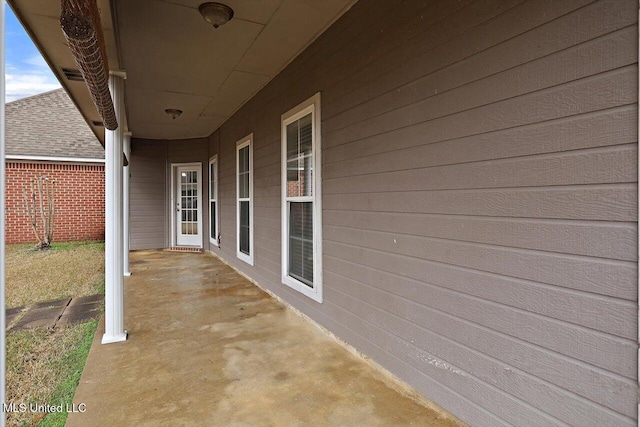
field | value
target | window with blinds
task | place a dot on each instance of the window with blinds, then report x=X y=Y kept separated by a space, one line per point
x=244 y=206
x=301 y=213
x=213 y=200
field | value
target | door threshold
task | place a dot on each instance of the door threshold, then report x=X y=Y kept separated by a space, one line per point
x=183 y=249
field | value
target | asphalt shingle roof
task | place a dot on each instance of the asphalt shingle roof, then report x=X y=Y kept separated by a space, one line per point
x=49 y=125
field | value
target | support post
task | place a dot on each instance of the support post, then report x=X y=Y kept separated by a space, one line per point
x=125 y=204
x=3 y=395
x=114 y=280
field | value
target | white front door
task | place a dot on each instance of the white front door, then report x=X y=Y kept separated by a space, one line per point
x=188 y=207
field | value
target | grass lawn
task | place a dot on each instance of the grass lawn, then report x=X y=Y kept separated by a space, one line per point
x=66 y=270
x=44 y=365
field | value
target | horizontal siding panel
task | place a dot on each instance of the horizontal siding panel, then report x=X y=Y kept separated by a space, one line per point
x=267 y=234
x=547 y=398
x=267 y=193
x=480 y=392
x=598 y=166
x=591 y=130
x=581 y=273
x=147 y=194
x=337 y=320
x=603 y=203
x=447 y=43
x=554 y=45
x=570 y=237
x=269 y=181
x=614 y=88
x=593 y=311
x=268 y=261
x=586 y=380
x=399 y=27
x=608 y=352
x=604 y=314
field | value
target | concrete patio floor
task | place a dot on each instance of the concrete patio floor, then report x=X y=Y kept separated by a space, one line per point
x=207 y=347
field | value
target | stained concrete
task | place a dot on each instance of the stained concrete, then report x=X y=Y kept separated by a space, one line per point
x=82 y=310
x=207 y=347
x=49 y=314
x=44 y=314
x=11 y=314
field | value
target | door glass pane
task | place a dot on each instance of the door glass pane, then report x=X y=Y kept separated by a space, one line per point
x=301 y=242
x=189 y=202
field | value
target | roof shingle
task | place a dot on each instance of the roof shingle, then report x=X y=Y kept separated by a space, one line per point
x=49 y=125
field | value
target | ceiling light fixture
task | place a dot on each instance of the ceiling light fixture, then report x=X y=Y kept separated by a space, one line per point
x=173 y=113
x=216 y=14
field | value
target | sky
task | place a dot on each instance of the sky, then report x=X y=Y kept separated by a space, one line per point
x=26 y=71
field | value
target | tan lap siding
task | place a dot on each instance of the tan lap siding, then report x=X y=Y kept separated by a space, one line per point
x=480 y=200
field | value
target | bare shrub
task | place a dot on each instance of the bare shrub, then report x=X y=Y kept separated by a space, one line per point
x=39 y=207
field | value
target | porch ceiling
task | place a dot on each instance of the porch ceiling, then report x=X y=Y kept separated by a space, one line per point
x=174 y=59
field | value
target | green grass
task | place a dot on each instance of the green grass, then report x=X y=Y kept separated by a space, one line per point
x=67 y=270
x=73 y=363
x=44 y=365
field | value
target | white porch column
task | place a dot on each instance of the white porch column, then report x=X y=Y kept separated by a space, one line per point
x=2 y=226
x=125 y=204
x=114 y=281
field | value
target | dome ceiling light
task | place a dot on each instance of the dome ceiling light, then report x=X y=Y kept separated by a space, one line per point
x=174 y=113
x=216 y=14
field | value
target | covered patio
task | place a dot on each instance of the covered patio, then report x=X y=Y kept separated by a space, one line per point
x=450 y=187
x=208 y=347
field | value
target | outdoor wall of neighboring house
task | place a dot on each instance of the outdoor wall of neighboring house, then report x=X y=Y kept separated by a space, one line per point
x=79 y=200
x=479 y=200
x=47 y=136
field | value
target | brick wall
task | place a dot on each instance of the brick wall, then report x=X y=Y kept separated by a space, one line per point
x=79 y=200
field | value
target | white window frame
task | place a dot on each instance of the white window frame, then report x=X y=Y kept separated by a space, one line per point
x=311 y=105
x=244 y=142
x=213 y=197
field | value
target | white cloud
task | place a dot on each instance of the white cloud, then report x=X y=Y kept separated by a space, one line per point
x=38 y=62
x=24 y=85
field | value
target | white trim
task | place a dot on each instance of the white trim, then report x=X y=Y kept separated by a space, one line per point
x=311 y=105
x=2 y=216
x=113 y=253
x=54 y=159
x=244 y=142
x=118 y=73
x=214 y=160
x=172 y=205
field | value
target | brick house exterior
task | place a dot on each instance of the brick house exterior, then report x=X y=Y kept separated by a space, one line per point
x=47 y=136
